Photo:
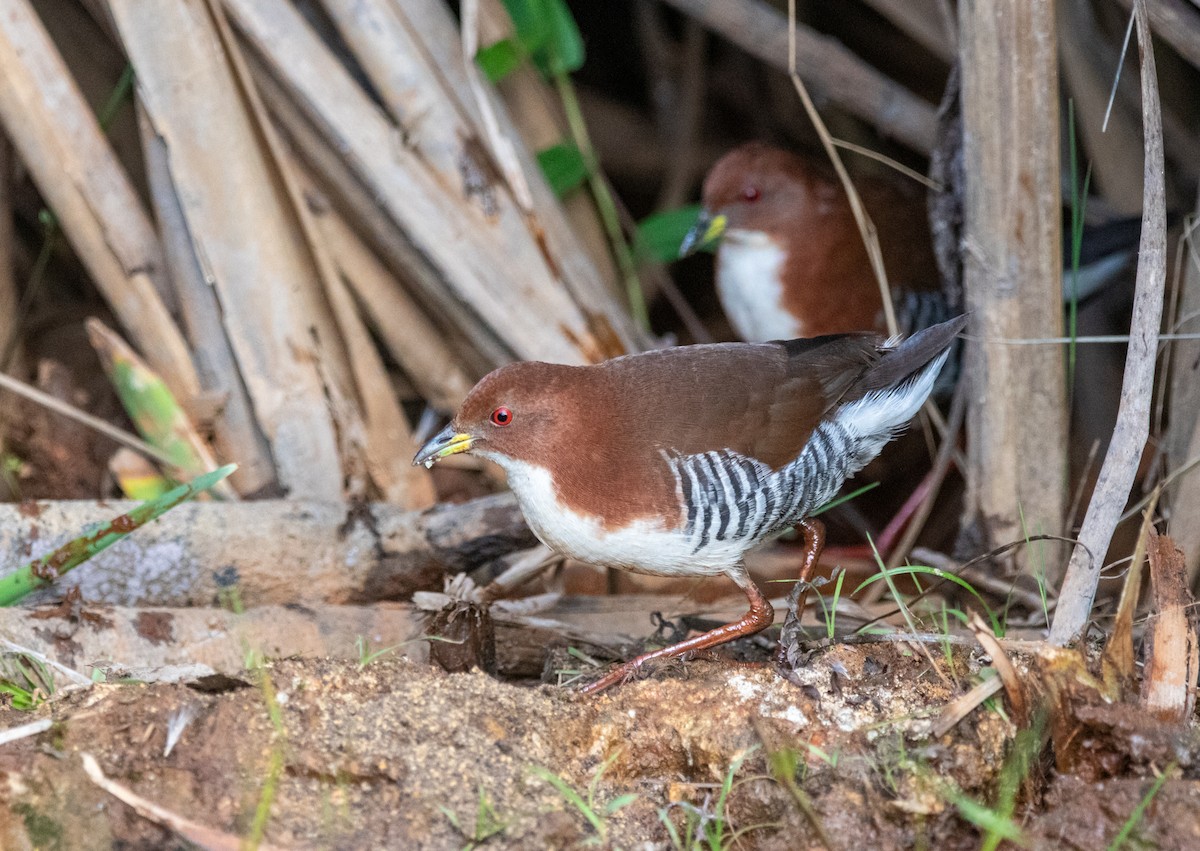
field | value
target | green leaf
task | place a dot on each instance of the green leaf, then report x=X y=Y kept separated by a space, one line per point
x=547 y=31
x=659 y=235
x=565 y=45
x=529 y=22
x=499 y=60
x=563 y=167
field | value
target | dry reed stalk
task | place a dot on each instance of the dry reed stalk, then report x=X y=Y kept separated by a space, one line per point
x=1133 y=418
x=57 y=136
x=482 y=255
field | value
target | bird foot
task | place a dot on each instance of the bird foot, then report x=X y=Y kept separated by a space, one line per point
x=618 y=675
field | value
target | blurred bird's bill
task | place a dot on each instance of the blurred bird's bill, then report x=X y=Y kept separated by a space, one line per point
x=708 y=228
x=445 y=443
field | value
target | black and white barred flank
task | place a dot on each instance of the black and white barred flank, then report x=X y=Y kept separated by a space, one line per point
x=730 y=497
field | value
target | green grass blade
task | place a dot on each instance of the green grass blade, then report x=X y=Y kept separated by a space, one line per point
x=45 y=570
x=1139 y=811
x=571 y=796
x=854 y=494
x=916 y=569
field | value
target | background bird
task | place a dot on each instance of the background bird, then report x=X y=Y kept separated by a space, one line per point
x=791 y=260
x=678 y=461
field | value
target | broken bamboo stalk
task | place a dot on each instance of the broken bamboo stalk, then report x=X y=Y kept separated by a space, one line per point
x=1016 y=415
x=1172 y=655
x=58 y=138
x=236 y=433
x=234 y=204
x=459 y=230
x=272 y=552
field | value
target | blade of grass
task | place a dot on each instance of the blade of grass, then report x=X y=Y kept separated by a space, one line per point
x=1139 y=811
x=916 y=569
x=571 y=796
x=47 y=569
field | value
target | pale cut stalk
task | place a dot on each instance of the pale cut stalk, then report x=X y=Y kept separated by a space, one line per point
x=57 y=136
x=240 y=215
x=519 y=295
x=431 y=364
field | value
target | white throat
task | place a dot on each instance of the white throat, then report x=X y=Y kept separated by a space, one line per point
x=749 y=266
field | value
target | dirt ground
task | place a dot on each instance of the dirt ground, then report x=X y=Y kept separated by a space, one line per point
x=392 y=754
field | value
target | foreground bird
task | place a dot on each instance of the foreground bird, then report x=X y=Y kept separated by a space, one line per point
x=676 y=462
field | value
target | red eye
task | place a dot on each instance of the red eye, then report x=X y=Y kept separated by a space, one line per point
x=751 y=194
x=501 y=416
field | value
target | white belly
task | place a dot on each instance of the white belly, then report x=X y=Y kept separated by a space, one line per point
x=749 y=264
x=644 y=546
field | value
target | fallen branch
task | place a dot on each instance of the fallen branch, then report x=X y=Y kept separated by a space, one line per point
x=121 y=640
x=273 y=552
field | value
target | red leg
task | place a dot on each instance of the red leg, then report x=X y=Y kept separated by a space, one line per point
x=814 y=539
x=757 y=619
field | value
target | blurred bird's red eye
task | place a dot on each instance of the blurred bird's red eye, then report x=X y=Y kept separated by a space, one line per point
x=751 y=194
x=501 y=416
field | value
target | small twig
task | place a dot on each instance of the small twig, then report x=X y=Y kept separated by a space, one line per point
x=1077 y=499
x=14 y=734
x=900 y=167
x=47 y=401
x=206 y=837
x=963 y=705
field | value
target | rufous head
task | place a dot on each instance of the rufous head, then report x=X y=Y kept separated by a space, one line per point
x=757 y=187
x=518 y=411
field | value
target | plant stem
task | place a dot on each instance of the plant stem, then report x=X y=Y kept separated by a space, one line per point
x=605 y=204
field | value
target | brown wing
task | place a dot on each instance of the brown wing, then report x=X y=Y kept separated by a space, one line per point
x=759 y=399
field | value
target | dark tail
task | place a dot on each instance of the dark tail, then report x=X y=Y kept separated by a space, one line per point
x=909 y=357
